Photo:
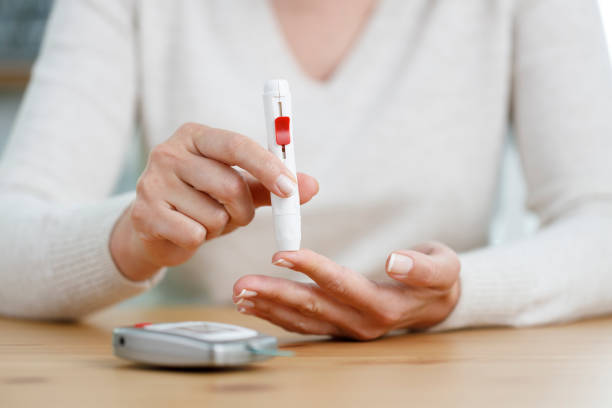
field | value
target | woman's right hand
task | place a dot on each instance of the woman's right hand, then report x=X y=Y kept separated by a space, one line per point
x=189 y=194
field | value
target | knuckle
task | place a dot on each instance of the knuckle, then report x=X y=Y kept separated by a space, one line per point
x=233 y=187
x=388 y=317
x=271 y=164
x=250 y=214
x=195 y=238
x=310 y=307
x=300 y=327
x=335 y=285
x=431 y=271
x=139 y=214
x=367 y=333
x=435 y=244
x=265 y=308
x=146 y=237
x=245 y=282
x=336 y=282
x=142 y=185
x=188 y=128
x=246 y=218
x=235 y=144
x=221 y=218
x=289 y=326
x=148 y=184
x=163 y=154
x=217 y=222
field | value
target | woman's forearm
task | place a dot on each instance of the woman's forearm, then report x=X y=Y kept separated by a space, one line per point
x=562 y=273
x=55 y=260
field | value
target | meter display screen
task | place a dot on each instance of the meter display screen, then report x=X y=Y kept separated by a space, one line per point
x=206 y=331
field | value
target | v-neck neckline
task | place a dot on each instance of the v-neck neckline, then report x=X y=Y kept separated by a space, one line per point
x=345 y=69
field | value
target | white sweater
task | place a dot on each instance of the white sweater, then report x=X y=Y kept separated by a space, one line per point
x=405 y=139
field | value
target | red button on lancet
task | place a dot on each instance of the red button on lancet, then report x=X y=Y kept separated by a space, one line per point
x=141 y=325
x=283 y=135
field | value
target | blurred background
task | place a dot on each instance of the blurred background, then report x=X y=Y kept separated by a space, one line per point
x=22 y=24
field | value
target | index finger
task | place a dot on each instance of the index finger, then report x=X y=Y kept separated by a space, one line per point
x=235 y=149
x=346 y=285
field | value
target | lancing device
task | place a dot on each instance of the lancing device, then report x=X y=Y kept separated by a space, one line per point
x=279 y=122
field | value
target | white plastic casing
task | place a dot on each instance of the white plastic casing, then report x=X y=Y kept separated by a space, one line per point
x=286 y=211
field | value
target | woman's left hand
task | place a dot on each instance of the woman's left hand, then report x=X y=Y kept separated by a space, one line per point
x=423 y=291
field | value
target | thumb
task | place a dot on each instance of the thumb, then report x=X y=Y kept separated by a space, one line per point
x=307 y=186
x=431 y=265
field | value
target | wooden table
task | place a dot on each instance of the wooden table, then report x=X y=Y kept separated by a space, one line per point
x=66 y=365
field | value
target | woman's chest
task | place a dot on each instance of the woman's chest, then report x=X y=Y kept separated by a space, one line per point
x=416 y=114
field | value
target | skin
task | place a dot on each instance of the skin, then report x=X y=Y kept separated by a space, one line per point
x=344 y=303
x=320 y=33
x=189 y=194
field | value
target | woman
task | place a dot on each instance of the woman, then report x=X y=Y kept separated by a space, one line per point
x=401 y=109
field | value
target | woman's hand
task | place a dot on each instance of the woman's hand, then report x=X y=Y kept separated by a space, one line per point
x=423 y=291
x=189 y=193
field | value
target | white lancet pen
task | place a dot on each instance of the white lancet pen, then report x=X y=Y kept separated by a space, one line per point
x=279 y=124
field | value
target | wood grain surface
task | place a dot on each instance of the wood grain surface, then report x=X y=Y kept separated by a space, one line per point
x=60 y=364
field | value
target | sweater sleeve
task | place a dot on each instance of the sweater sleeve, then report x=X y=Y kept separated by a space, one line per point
x=61 y=163
x=562 y=119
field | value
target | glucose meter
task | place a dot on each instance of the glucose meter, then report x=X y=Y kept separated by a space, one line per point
x=193 y=344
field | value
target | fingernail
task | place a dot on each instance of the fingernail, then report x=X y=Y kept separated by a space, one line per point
x=247 y=293
x=245 y=303
x=286 y=185
x=283 y=262
x=399 y=264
